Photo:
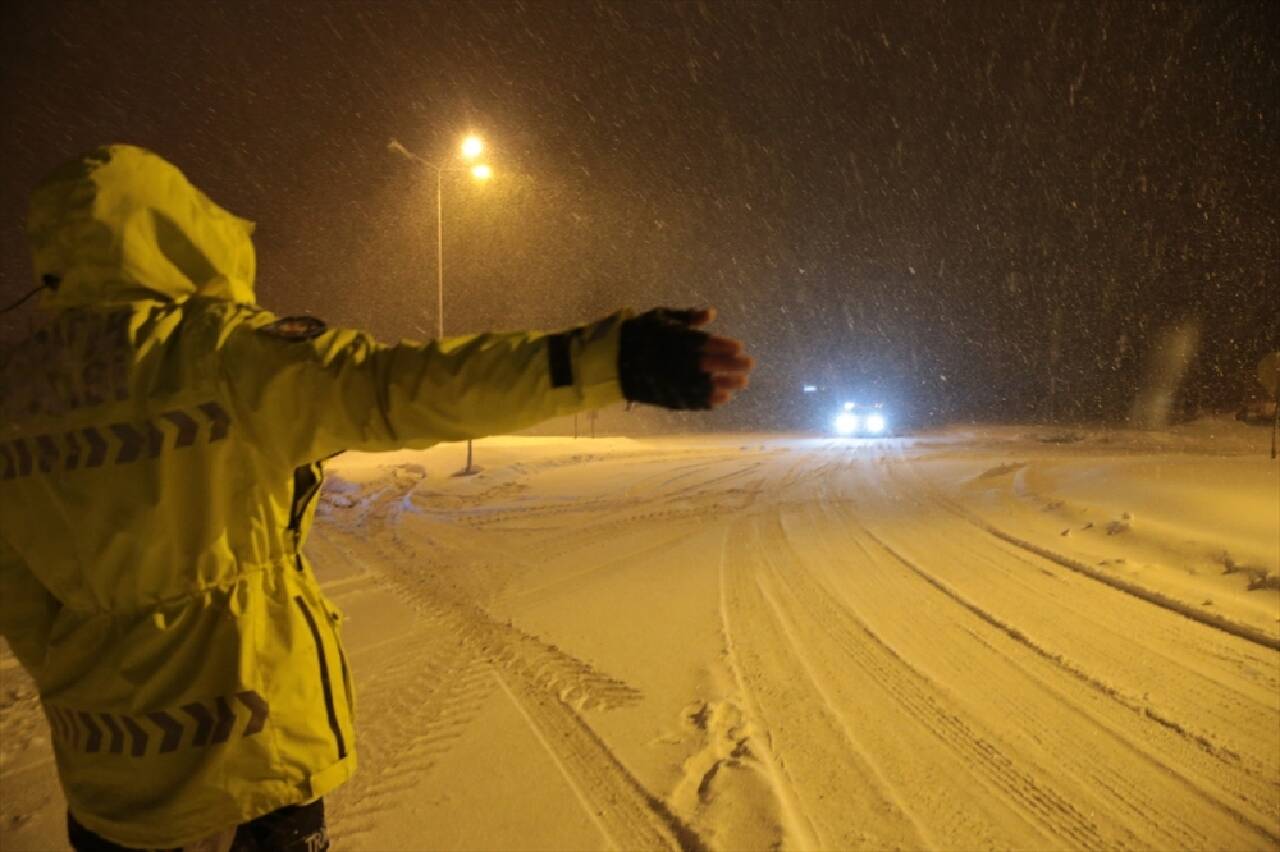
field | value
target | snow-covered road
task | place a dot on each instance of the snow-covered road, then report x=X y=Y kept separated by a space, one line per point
x=739 y=643
x=984 y=639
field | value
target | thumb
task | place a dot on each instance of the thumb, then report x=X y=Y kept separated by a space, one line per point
x=693 y=317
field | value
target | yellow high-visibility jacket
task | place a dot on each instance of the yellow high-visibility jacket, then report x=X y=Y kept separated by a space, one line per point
x=160 y=439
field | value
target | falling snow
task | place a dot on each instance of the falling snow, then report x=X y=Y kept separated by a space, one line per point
x=1024 y=195
x=1041 y=611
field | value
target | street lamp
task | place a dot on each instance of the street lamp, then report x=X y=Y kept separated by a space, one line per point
x=471 y=148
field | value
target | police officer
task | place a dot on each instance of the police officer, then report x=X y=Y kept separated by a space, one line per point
x=160 y=447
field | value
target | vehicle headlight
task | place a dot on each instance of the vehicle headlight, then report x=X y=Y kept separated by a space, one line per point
x=875 y=423
x=846 y=423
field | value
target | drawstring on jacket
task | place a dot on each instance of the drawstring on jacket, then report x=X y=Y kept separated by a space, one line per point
x=47 y=282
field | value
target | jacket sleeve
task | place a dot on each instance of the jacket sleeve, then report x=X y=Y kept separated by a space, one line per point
x=307 y=398
x=27 y=609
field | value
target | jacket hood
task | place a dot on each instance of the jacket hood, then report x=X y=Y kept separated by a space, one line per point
x=120 y=224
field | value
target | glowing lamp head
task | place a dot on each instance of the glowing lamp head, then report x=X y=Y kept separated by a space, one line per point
x=846 y=423
x=472 y=147
x=481 y=172
x=875 y=423
x=848 y=406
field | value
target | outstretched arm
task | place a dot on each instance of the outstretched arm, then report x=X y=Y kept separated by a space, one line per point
x=311 y=395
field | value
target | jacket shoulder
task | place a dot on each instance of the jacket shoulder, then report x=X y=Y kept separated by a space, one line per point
x=223 y=311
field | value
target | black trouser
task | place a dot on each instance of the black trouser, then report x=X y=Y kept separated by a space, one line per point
x=297 y=828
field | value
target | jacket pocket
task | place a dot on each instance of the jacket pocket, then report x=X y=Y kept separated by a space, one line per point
x=325 y=681
x=347 y=686
x=336 y=619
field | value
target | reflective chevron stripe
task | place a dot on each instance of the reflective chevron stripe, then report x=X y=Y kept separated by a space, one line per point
x=136 y=438
x=69 y=727
x=137 y=736
x=194 y=725
x=133 y=441
x=117 y=734
x=94 y=741
x=220 y=422
x=72 y=458
x=258 y=707
x=24 y=457
x=226 y=721
x=46 y=453
x=130 y=442
x=204 y=721
x=57 y=724
x=97 y=447
x=187 y=427
x=170 y=727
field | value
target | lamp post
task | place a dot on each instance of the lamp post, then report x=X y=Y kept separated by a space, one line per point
x=469 y=151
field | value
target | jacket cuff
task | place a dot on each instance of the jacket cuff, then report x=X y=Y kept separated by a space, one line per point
x=595 y=359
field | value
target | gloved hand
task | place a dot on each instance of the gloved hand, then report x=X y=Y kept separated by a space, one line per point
x=665 y=360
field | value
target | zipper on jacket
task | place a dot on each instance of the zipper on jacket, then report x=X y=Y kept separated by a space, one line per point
x=346 y=679
x=306 y=484
x=307 y=479
x=324 y=676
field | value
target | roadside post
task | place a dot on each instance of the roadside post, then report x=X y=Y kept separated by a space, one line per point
x=1269 y=378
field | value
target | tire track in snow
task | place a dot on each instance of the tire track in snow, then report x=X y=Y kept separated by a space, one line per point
x=647 y=547
x=796 y=822
x=424 y=703
x=647 y=503
x=834 y=796
x=1151 y=596
x=1238 y=700
x=1244 y=791
x=551 y=689
x=977 y=671
x=627 y=815
x=860 y=646
x=1093 y=683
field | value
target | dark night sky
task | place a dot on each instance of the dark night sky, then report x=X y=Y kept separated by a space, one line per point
x=874 y=194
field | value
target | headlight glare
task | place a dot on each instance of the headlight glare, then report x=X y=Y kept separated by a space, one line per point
x=846 y=423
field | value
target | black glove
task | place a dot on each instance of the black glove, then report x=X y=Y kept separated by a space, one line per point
x=659 y=361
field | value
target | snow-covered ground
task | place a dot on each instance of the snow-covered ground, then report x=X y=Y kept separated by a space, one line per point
x=981 y=638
